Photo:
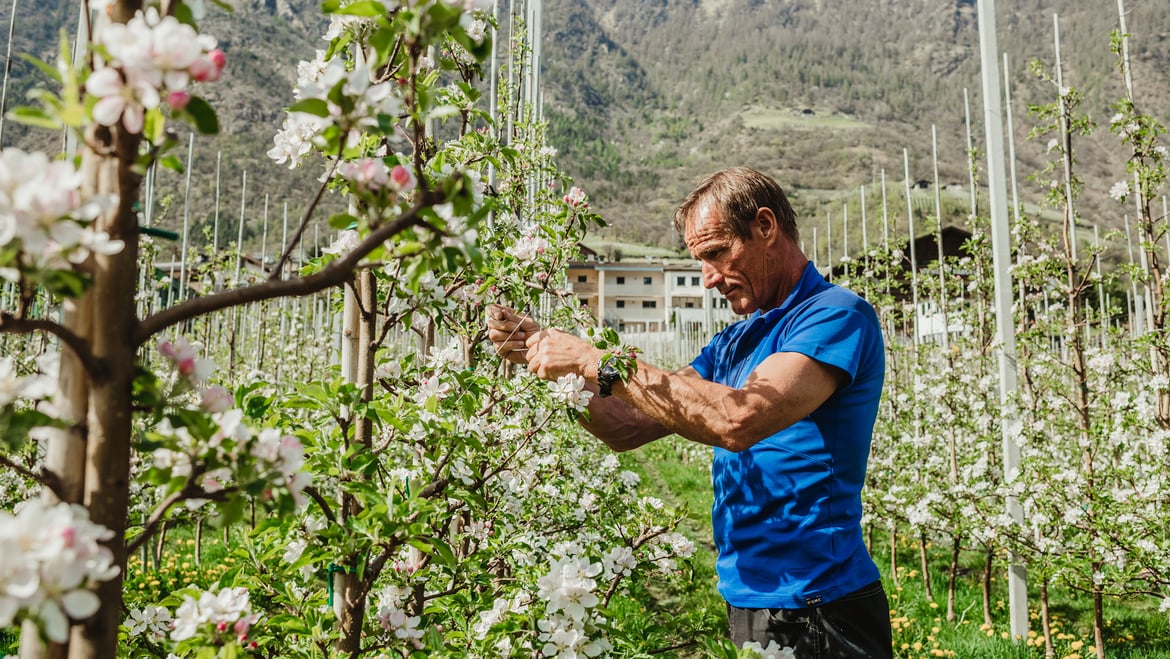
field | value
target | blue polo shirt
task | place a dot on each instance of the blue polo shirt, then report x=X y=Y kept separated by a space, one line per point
x=787 y=512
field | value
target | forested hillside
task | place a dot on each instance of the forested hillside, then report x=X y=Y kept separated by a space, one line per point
x=645 y=96
x=825 y=95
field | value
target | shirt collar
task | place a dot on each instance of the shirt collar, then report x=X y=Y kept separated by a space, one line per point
x=810 y=280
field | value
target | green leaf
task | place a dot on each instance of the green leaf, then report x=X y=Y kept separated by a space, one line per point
x=444 y=111
x=184 y=14
x=154 y=129
x=367 y=8
x=343 y=221
x=203 y=116
x=382 y=41
x=34 y=117
x=49 y=70
x=172 y=163
x=66 y=283
x=314 y=106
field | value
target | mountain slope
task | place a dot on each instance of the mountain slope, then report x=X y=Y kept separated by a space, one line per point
x=734 y=75
x=645 y=96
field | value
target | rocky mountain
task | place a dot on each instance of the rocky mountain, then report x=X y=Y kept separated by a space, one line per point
x=645 y=96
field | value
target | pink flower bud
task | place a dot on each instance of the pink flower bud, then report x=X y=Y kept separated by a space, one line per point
x=204 y=70
x=221 y=626
x=402 y=178
x=178 y=100
x=215 y=400
x=241 y=628
x=218 y=58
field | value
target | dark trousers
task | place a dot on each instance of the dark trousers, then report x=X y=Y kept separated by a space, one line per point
x=856 y=626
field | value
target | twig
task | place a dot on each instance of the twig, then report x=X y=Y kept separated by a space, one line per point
x=45 y=478
x=10 y=323
x=300 y=232
x=332 y=275
x=316 y=496
x=189 y=491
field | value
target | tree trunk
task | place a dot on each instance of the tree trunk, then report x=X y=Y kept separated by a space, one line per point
x=353 y=591
x=65 y=450
x=1098 y=617
x=159 y=543
x=988 y=563
x=894 y=552
x=927 y=588
x=952 y=578
x=199 y=541
x=107 y=475
x=1046 y=620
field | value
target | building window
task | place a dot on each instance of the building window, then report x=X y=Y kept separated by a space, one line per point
x=694 y=281
x=690 y=305
x=681 y=281
x=722 y=303
x=649 y=304
x=647 y=280
x=621 y=304
x=581 y=279
x=583 y=301
x=621 y=280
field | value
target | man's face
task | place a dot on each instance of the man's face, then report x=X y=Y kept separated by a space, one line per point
x=735 y=267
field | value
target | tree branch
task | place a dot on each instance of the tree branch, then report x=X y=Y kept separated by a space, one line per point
x=45 y=478
x=332 y=275
x=189 y=491
x=93 y=366
x=316 y=496
x=277 y=270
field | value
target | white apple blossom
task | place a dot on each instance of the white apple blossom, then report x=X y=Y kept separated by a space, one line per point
x=52 y=553
x=347 y=241
x=629 y=479
x=569 y=586
x=528 y=247
x=1119 y=190
x=151 y=621
x=295 y=138
x=570 y=390
x=754 y=650
x=150 y=57
x=213 y=613
x=396 y=621
x=619 y=561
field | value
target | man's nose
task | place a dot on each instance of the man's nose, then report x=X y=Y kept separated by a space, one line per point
x=711 y=276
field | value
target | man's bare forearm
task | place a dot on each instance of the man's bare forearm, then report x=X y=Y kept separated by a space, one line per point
x=620 y=426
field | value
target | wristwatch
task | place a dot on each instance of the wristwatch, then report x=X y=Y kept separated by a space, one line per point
x=606 y=376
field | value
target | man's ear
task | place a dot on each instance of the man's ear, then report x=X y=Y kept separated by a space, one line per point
x=766 y=223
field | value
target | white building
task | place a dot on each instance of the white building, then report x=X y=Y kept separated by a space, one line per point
x=648 y=295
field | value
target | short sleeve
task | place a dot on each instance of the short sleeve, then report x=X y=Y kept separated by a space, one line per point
x=704 y=364
x=839 y=336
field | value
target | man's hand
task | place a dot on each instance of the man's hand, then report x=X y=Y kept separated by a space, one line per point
x=510 y=331
x=553 y=353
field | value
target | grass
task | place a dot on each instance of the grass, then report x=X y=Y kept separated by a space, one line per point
x=777 y=119
x=631 y=250
x=677 y=472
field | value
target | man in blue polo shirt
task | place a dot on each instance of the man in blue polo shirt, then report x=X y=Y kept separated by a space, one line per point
x=787 y=397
